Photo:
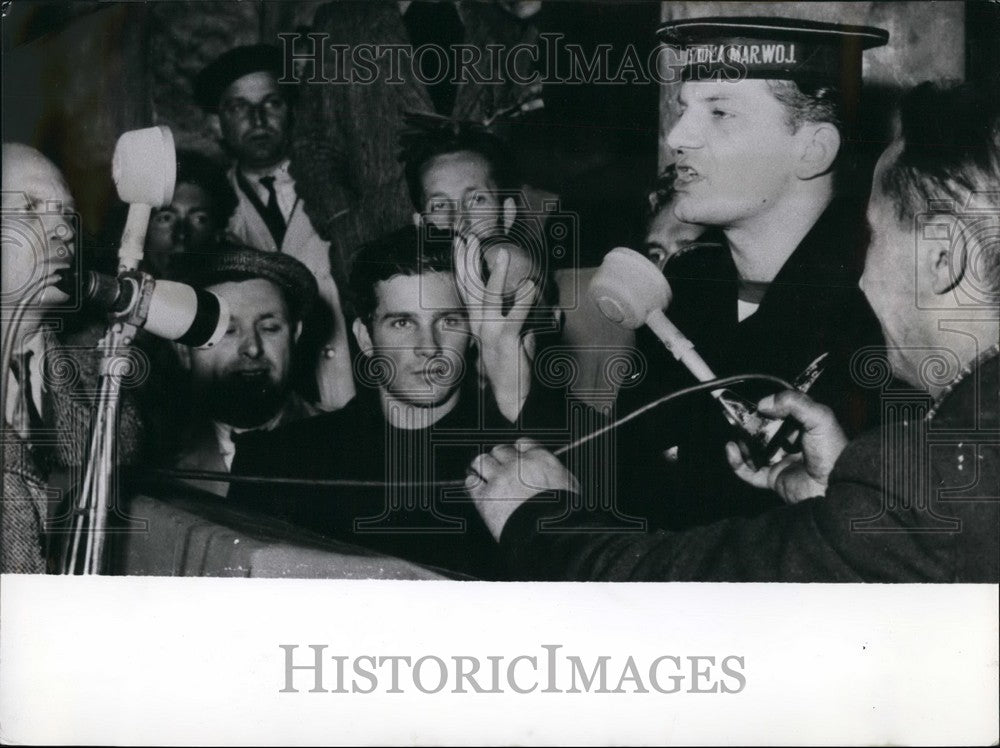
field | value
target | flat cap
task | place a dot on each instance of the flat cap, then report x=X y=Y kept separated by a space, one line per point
x=720 y=48
x=230 y=261
x=218 y=75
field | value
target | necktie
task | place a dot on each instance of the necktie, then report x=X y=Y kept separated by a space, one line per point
x=272 y=213
x=30 y=420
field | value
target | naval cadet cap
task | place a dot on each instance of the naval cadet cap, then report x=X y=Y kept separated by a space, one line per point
x=218 y=75
x=736 y=48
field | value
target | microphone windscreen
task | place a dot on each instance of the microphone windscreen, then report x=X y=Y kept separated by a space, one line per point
x=144 y=166
x=628 y=287
x=189 y=316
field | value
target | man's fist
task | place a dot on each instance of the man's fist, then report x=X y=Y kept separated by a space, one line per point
x=499 y=482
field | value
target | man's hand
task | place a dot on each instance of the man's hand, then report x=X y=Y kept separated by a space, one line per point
x=499 y=482
x=802 y=475
x=503 y=354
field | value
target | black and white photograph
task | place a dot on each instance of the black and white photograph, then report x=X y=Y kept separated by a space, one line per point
x=508 y=372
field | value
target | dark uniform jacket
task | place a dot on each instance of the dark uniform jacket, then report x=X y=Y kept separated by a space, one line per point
x=813 y=306
x=917 y=501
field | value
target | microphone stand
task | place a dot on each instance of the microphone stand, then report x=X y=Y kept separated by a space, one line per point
x=83 y=549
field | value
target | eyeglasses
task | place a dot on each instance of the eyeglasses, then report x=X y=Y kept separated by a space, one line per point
x=242 y=109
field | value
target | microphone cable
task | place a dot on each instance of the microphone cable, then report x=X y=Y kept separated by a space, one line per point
x=460 y=483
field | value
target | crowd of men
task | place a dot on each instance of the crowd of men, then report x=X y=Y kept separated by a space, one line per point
x=408 y=391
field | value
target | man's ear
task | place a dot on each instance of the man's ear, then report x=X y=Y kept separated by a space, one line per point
x=183 y=356
x=214 y=125
x=362 y=336
x=418 y=219
x=509 y=212
x=945 y=263
x=819 y=147
x=297 y=332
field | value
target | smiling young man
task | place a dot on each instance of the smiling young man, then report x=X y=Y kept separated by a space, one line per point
x=764 y=114
x=252 y=116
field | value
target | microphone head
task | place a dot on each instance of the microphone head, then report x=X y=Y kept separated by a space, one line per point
x=627 y=288
x=144 y=166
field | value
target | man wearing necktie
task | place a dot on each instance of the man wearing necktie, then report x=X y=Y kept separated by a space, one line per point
x=251 y=114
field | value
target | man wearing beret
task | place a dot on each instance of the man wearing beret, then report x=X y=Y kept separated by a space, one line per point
x=244 y=382
x=765 y=109
x=251 y=114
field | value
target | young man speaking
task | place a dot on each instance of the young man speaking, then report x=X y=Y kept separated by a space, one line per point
x=765 y=109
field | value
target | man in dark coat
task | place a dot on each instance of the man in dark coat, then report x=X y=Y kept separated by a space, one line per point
x=773 y=285
x=418 y=420
x=915 y=501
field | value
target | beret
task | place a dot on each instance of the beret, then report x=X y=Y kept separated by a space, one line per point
x=218 y=75
x=736 y=48
x=234 y=262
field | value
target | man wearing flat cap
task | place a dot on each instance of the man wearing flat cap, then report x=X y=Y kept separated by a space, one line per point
x=243 y=383
x=765 y=110
x=251 y=114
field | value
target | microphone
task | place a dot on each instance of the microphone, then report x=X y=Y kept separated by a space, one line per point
x=173 y=311
x=632 y=292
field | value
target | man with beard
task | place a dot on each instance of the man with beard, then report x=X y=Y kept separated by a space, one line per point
x=251 y=115
x=244 y=382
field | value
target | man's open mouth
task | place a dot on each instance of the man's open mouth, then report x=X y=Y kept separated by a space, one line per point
x=686 y=174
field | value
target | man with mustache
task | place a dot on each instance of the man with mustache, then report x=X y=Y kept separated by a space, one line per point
x=766 y=111
x=252 y=116
x=244 y=381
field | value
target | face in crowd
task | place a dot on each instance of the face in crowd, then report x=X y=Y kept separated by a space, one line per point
x=666 y=235
x=461 y=194
x=417 y=337
x=188 y=224
x=244 y=379
x=738 y=157
x=38 y=234
x=255 y=120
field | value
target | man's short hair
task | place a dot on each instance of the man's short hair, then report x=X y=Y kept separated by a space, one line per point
x=197 y=169
x=808 y=103
x=418 y=148
x=950 y=149
x=407 y=251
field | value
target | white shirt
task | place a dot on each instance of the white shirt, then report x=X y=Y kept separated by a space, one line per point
x=284 y=187
x=16 y=407
x=745 y=308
